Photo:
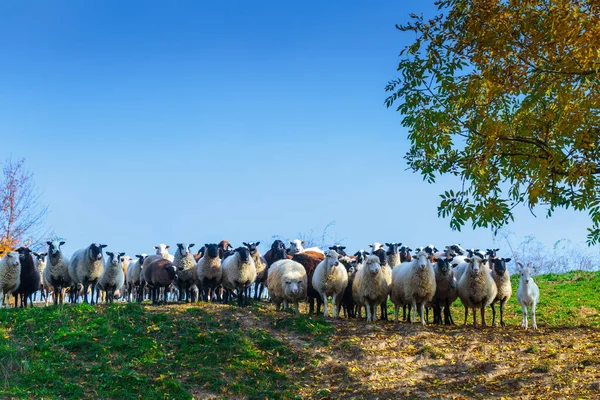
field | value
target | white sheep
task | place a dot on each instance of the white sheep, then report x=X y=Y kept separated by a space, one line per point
x=501 y=277
x=56 y=273
x=476 y=288
x=287 y=283
x=10 y=275
x=528 y=295
x=39 y=260
x=239 y=272
x=133 y=277
x=86 y=267
x=297 y=246
x=185 y=263
x=163 y=250
x=329 y=280
x=112 y=278
x=261 y=268
x=419 y=284
x=370 y=287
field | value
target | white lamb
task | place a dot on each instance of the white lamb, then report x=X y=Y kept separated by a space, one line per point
x=370 y=287
x=113 y=278
x=10 y=274
x=56 y=273
x=133 y=278
x=287 y=283
x=419 y=284
x=528 y=295
x=330 y=280
x=239 y=272
x=297 y=246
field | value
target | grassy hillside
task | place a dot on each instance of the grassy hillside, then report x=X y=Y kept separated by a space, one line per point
x=217 y=351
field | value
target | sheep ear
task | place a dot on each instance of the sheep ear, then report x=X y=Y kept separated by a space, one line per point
x=245 y=244
x=291 y=242
x=61 y=243
x=167 y=247
x=156 y=247
x=138 y=255
x=388 y=244
x=121 y=254
x=48 y=243
x=303 y=243
x=191 y=245
x=343 y=247
x=103 y=246
x=110 y=253
x=507 y=259
x=469 y=260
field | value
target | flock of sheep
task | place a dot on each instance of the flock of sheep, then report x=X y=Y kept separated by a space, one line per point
x=426 y=280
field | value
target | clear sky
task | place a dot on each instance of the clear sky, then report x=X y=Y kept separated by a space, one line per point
x=192 y=121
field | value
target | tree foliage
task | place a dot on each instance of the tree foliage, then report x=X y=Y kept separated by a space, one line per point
x=21 y=214
x=506 y=96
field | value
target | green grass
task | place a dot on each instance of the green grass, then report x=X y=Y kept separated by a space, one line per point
x=196 y=351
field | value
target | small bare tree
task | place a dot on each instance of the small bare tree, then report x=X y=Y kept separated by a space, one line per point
x=312 y=240
x=21 y=213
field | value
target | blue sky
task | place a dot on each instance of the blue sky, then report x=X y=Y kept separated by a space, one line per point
x=187 y=121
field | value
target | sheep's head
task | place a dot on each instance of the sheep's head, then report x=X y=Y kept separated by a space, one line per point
x=340 y=249
x=476 y=264
x=443 y=265
x=361 y=256
x=430 y=250
x=141 y=257
x=114 y=259
x=211 y=250
x=422 y=259
x=184 y=248
x=491 y=252
x=375 y=246
x=54 y=246
x=332 y=259
x=293 y=285
x=457 y=249
x=373 y=265
x=244 y=254
x=40 y=256
x=405 y=253
x=171 y=271
x=393 y=248
x=251 y=246
x=95 y=251
x=162 y=249
x=12 y=258
x=500 y=265
x=296 y=246
x=380 y=253
x=475 y=252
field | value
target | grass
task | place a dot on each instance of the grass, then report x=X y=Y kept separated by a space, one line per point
x=209 y=350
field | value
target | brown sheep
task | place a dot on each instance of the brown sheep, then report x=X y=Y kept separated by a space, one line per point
x=310 y=264
x=158 y=273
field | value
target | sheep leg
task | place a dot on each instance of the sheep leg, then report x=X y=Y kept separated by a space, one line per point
x=533 y=320
x=396 y=309
x=85 y=290
x=493 y=307
x=414 y=312
x=368 y=307
x=297 y=307
x=483 y=315
x=524 y=319
x=502 y=312
x=334 y=309
x=423 y=320
x=325 y=311
x=448 y=314
x=466 y=314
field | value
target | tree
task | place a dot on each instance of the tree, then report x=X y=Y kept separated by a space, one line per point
x=21 y=214
x=505 y=95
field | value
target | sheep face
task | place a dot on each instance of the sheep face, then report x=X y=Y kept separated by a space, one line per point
x=244 y=254
x=422 y=258
x=525 y=272
x=141 y=257
x=443 y=265
x=114 y=259
x=475 y=252
x=361 y=256
x=171 y=272
x=251 y=246
x=331 y=260
x=13 y=259
x=393 y=248
x=476 y=264
x=54 y=246
x=381 y=254
x=339 y=249
x=211 y=250
x=457 y=249
x=375 y=246
x=40 y=256
x=296 y=246
x=95 y=251
x=293 y=286
x=373 y=265
x=161 y=249
x=184 y=248
x=491 y=252
x=500 y=265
